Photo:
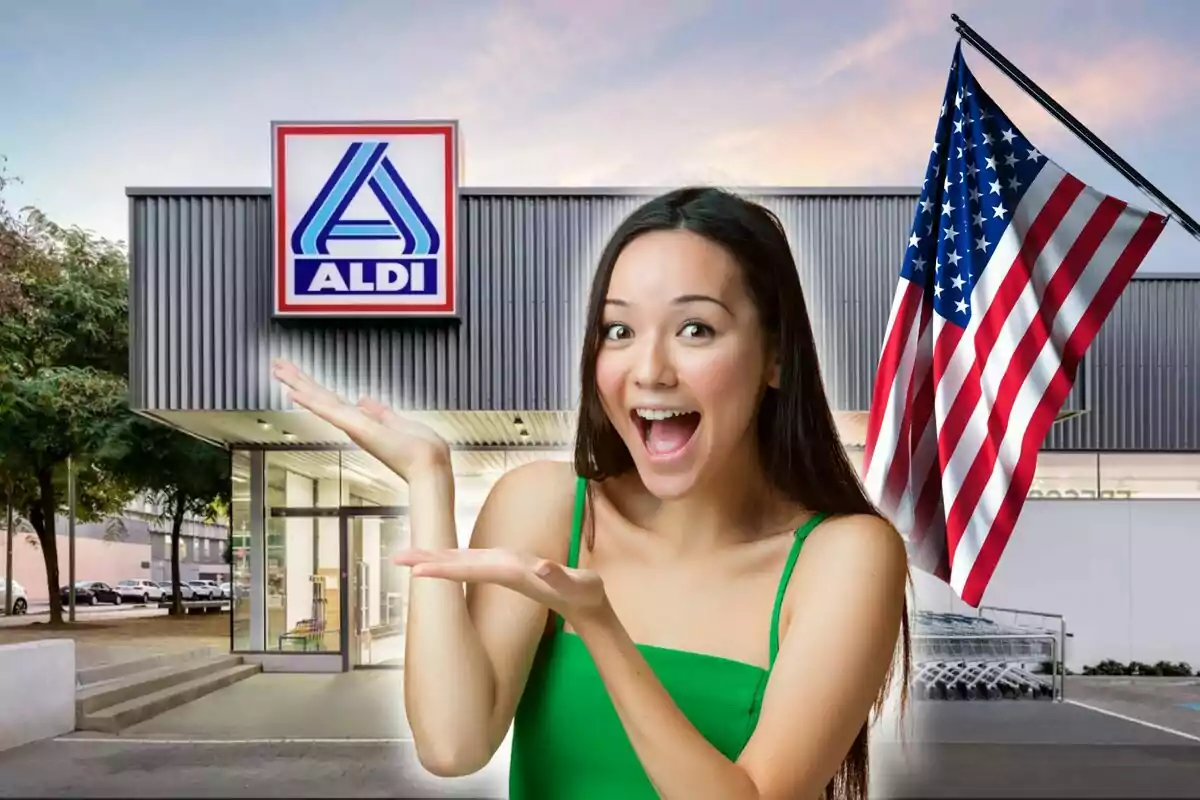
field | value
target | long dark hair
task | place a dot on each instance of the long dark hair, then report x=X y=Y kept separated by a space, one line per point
x=802 y=452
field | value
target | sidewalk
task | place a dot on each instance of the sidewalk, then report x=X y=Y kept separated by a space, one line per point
x=42 y=614
x=105 y=638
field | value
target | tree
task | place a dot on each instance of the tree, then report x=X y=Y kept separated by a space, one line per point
x=64 y=364
x=44 y=419
x=63 y=360
x=180 y=474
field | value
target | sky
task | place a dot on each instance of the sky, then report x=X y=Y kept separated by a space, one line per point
x=103 y=96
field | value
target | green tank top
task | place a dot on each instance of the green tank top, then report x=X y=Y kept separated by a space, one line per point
x=568 y=742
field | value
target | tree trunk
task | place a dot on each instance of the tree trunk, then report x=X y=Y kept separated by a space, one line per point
x=176 y=527
x=41 y=516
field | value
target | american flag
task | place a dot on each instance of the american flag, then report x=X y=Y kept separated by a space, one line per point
x=1012 y=266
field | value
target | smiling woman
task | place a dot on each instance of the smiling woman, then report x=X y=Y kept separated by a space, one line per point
x=659 y=620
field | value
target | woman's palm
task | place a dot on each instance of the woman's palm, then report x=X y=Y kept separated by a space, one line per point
x=400 y=443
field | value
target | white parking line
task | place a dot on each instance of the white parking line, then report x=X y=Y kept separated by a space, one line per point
x=130 y=740
x=1135 y=720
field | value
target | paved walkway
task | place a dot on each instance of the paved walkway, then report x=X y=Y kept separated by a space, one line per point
x=278 y=735
x=102 y=639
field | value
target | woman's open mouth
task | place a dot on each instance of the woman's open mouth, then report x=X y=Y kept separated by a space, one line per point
x=666 y=433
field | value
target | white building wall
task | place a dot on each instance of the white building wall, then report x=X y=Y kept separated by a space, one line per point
x=1119 y=571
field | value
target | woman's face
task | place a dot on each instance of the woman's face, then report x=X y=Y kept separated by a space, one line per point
x=682 y=363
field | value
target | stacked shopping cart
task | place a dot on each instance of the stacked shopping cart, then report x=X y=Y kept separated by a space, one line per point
x=961 y=657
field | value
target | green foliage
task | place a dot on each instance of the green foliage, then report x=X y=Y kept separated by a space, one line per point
x=174 y=470
x=64 y=361
x=1163 y=669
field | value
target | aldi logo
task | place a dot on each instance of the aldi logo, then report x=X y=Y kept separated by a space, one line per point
x=364 y=219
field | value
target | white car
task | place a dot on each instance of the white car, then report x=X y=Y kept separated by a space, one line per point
x=139 y=590
x=200 y=590
x=216 y=591
x=184 y=590
x=20 y=601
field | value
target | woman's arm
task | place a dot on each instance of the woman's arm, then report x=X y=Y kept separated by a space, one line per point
x=848 y=592
x=467 y=657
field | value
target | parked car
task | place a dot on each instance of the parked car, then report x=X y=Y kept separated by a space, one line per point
x=216 y=590
x=227 y=590
x=89 y=593
x=185 y=591
x=201 y=590
x=20 y=601
x=139 y=590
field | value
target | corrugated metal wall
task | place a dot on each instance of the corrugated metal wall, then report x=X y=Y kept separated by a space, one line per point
x=203 y=337
x=1141 y=387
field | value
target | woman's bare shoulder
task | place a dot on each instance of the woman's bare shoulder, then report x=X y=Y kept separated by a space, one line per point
x=530 y=508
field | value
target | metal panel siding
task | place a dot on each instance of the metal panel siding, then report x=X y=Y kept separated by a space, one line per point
x=1144 y=387
x=196 y=314
x=202 y=336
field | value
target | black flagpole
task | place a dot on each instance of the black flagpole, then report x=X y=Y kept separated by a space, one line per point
x=1075 y=126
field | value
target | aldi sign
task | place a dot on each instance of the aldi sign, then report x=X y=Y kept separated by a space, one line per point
x=365 y=219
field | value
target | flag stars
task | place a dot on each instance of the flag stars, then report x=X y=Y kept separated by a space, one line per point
x=979 y=167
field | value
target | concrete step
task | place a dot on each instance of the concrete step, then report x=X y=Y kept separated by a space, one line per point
x=96 y=696
x=120 y=669
x=138 y=709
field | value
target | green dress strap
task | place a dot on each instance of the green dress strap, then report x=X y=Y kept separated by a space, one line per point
x=576 y=532
x=797 y=542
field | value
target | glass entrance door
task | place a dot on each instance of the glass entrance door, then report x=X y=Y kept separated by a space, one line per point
x=377 y=589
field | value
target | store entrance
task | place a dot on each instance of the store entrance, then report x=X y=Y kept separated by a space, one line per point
x=376 y=590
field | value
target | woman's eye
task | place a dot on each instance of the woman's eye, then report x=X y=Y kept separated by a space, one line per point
x=616 y=331
x=695 y=329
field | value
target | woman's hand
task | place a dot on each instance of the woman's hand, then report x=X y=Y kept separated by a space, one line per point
x=404 y=446
x=575 y=594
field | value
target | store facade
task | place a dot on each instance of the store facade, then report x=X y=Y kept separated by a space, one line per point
x=495 y=370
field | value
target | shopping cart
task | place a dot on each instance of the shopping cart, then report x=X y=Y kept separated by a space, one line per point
x=961 y=657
